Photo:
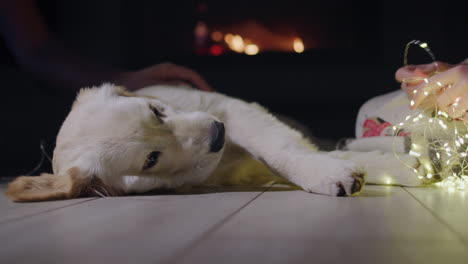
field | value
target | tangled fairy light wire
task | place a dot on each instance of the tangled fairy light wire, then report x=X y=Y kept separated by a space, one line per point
x=437 y=140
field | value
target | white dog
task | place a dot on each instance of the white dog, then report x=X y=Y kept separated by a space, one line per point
x=115 y=142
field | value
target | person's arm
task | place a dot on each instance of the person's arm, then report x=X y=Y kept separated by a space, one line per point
x=39 y=52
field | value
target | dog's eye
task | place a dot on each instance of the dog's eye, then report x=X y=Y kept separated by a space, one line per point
x=151 y=160
x=157 y=113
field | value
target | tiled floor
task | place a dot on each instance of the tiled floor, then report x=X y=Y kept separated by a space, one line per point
x=384 y=225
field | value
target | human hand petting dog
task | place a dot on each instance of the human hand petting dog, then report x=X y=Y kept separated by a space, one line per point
x=163 y=73
x=448 y=89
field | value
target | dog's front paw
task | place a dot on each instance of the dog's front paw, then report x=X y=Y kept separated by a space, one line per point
x=333 y=177
x=342 y=178
x=353 y=187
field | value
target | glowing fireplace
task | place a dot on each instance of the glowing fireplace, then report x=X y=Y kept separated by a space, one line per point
x=256 y=27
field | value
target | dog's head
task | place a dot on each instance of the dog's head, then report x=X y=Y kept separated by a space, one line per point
x=125 y=143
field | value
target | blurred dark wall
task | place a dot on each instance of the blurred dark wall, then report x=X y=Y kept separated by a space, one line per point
x=323 y=88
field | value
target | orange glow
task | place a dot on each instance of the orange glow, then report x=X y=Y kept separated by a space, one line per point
x=228 y=38
x=298 y=45
x=216 y=36
x=251 y=49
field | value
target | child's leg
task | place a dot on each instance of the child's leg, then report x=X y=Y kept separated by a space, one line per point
x=375 y=147
x=377 y=116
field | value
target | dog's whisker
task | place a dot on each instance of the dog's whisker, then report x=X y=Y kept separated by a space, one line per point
x=41 y=161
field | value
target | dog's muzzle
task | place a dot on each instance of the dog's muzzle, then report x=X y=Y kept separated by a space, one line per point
x=217 y=136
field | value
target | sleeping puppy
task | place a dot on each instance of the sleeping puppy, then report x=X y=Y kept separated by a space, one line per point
x=114 y=142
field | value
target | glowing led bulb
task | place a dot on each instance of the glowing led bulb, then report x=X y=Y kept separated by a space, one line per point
x=251 y=49
x=298 y=45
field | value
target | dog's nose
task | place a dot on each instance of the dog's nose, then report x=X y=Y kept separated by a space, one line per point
x=217 y=136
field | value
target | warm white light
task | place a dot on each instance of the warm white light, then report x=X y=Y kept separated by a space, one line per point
x=298 y=45
x=251 y=49
x=237 y=43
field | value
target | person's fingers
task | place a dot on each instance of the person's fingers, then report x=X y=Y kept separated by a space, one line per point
x=199 y=82
x=411 y=78
x=464 y=117
x=459 y=107
x=448 y=96
x=431 y=67
x=432 y=86
x=404 y=73
x=190 y=76
x=422 y=70
x=175 y=82
x=412 y=71
x=408 y=90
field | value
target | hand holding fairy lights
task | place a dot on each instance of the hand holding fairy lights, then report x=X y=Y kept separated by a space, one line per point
x=437 y=84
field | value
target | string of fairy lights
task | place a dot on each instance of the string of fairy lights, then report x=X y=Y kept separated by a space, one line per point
x=438 y=141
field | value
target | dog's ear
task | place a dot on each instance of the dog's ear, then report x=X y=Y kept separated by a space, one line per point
x=48 y=186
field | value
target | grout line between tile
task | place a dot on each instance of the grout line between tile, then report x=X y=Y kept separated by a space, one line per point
x=439 y=219
x=14 y=219
x=192 y=245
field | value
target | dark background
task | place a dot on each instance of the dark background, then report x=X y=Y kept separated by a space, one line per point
x=353 y=51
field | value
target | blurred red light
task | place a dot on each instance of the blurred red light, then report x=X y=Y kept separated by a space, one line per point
x=216 y=50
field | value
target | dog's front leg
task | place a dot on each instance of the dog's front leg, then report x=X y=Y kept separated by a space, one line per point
x=287 y=153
